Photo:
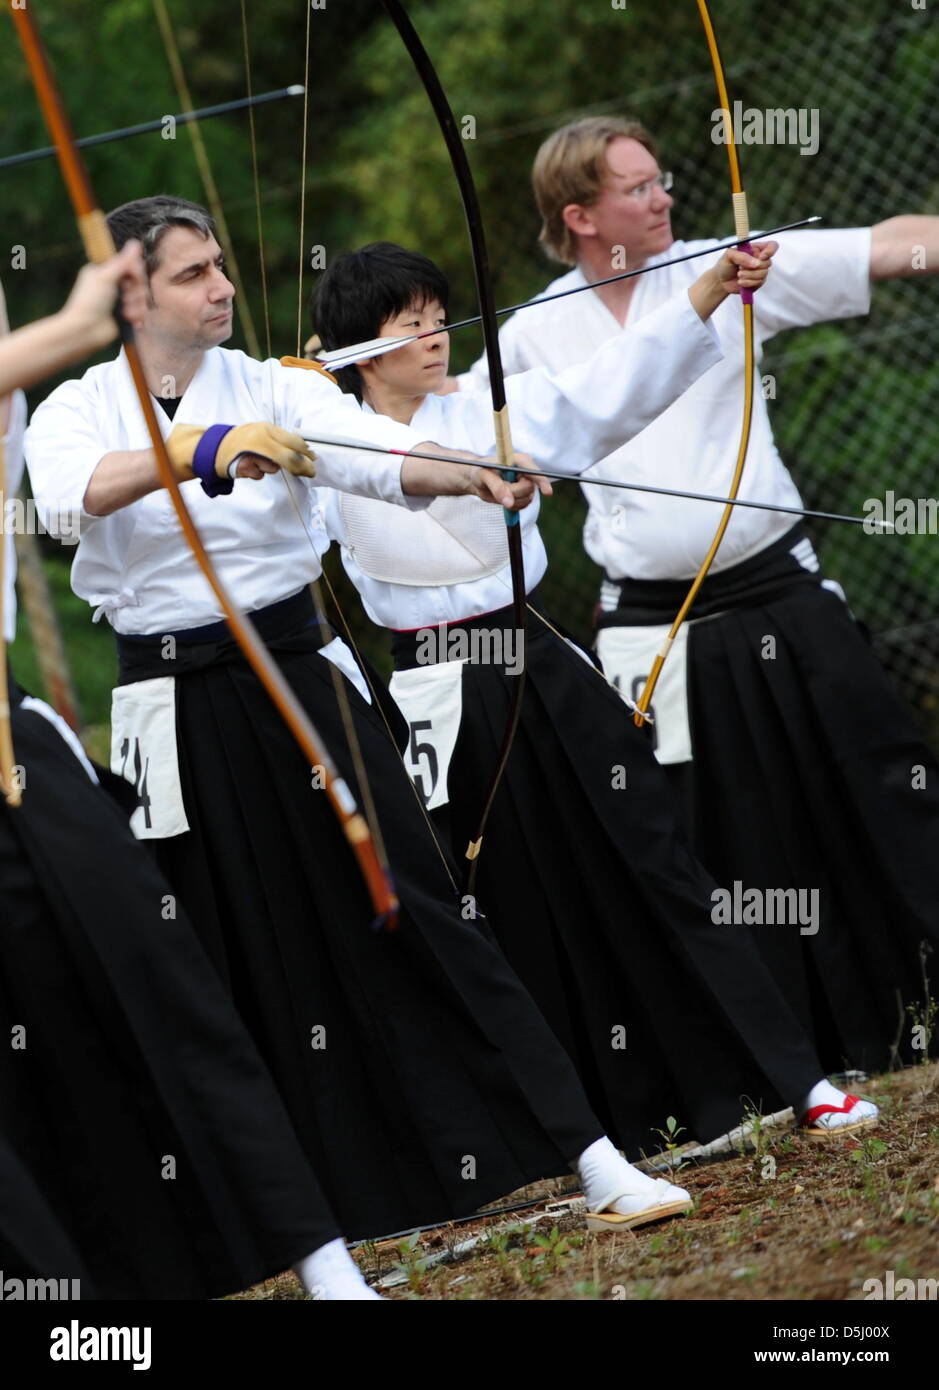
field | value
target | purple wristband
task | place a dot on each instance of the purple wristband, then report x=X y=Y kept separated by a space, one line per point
x=203 y=461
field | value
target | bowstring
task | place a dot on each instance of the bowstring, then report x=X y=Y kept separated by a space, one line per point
x=377 y=703
x=369 y=807
x=262 y=259
x=8 y=786
x=506 y=584
x=7 y=753
x=212 y=197
x=303 y=162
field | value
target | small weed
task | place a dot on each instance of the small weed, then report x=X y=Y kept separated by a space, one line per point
x=870 y=1151
x=669 y=1137
x=450 y=1239
x=554 y=1249
x=587 y=1288
x=412 y=1264
x=756 y=1135
x=924 y=1018
x=498 y=1243
x=874 y=1243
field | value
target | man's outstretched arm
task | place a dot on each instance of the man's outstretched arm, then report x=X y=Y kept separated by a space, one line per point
x=905 y=246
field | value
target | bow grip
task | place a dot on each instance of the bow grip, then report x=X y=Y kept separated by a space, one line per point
x=742 y=224
x=504 y=451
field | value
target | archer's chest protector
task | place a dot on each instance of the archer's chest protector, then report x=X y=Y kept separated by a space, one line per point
x=454 y=541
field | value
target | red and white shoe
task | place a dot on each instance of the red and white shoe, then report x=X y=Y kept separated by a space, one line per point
x=824 y=1122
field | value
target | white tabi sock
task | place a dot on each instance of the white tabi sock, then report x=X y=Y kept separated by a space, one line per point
x=332 y=1275
x=824 y=1093
x=605 y=1174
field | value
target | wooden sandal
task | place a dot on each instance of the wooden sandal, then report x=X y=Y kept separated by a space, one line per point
x=603 y=1220
x=822 y=1133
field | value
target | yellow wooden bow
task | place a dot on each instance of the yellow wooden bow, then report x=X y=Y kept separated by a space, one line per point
x=742 y=222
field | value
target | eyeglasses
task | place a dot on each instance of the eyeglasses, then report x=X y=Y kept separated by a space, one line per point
x=642 y=190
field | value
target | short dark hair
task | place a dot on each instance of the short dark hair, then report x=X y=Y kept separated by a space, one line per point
x=362 y=289
x=149 y=219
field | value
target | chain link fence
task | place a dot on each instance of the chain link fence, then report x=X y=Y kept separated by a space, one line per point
x=855 y=412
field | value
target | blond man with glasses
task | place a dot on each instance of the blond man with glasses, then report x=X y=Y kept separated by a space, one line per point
x=794 y=759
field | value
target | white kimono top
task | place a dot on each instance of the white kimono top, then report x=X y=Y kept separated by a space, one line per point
x=451 y=561
x=13 y=457
x=135 y=566
x=816 y=276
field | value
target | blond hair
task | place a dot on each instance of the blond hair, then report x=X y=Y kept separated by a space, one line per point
x=570 y=167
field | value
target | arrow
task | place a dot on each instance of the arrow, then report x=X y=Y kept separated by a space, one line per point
x=883 y=527
x=377 y=347
x=146 y=127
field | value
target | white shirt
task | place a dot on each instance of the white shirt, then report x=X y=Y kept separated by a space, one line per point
x=565 y=420
x=815 y=276
x=135 y=566
x=13 y=462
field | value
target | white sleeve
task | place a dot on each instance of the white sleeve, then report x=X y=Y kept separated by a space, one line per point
x=63 y=447
x=816 y=277
x=12 y=445
x=571 y=419
x=331 y=515
x=13 y=442
x=511 y=349
x=310 y=405
x=477 y=378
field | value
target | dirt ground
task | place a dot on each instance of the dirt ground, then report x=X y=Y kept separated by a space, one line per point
x=789 y=1219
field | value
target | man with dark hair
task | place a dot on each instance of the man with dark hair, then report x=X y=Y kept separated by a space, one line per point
x=795 y=761
x=147 y=220
x=419 y=1075
x=144 y=1151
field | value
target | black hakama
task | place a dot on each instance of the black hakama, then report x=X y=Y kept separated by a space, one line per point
x=144 y=1149
x=33 y=1242
x=419 y=1076
x=808 y=771
x=602 y=911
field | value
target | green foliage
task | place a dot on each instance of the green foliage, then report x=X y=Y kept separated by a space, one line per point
x=870 y=1151
x=412 y=1264
x=554 y=1249
x=854 y=412
x=670 y=1138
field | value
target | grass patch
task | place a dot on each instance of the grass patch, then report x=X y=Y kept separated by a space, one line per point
x=832 y=1217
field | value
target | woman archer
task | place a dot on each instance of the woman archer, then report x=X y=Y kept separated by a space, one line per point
x=594 y=898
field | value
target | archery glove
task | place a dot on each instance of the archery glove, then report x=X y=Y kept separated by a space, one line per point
x=208 y=454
